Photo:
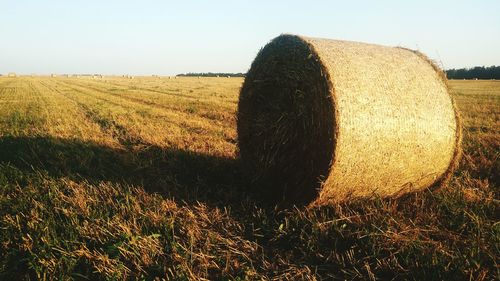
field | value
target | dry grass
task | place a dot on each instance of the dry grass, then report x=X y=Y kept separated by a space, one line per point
x=119 y=178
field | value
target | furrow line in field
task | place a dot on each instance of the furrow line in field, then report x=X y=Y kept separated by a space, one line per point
x=160 y=127
x=94 y=96
x=41 y=103
x=108 y=126
x=4 y=84
x=69 y=120
x=207 y=100
x=132 y=99
x=21 y=110
x=216 y=120
x=167 y=116
x=156 y=91
x=4 y=89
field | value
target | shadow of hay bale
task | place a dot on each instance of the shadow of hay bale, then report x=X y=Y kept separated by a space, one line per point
x=185 y=176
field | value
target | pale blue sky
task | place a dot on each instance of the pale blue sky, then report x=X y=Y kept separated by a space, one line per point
x=170 y=37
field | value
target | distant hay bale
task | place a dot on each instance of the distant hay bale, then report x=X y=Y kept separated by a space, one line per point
x=11 y=74
x=325 y=121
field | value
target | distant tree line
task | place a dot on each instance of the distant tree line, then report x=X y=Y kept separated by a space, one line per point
x=212 y=74
x=478 y=72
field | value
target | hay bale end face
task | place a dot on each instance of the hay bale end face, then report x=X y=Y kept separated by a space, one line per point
x=324 y=120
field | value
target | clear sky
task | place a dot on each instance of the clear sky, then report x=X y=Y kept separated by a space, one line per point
x=170 y=37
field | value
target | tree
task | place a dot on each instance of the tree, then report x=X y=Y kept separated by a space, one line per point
x=478 y=72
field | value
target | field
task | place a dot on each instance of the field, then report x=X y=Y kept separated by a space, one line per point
x=116 y=178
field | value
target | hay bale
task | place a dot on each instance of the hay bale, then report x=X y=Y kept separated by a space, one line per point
x=323 y=120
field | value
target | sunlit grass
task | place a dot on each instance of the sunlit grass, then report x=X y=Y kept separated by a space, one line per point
x=118 y=178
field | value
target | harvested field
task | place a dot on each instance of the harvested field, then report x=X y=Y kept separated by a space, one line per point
x=120 y=178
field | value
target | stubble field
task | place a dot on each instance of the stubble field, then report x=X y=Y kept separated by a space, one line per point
x=116 y=178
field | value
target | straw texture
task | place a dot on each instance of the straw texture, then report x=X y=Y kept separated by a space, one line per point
x=324 y=120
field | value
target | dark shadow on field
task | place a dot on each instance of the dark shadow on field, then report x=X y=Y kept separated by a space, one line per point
x=184 y=176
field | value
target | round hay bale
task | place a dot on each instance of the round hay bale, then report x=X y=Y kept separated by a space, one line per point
x=326 y=121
